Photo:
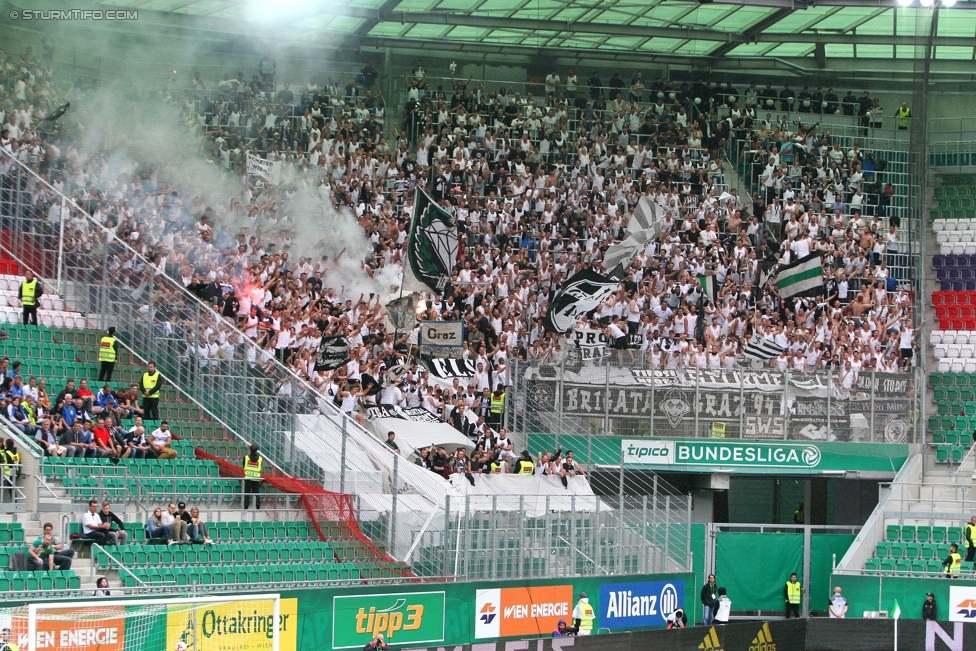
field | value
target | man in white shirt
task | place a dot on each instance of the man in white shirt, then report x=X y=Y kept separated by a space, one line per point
x=724 y=607
x=161 y=441
x=176 y=524
x=92 y=526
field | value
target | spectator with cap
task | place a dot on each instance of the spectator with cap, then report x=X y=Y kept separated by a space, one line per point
x=930 y=610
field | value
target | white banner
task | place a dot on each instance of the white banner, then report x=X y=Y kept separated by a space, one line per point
x=266 y=169
x=441 y=338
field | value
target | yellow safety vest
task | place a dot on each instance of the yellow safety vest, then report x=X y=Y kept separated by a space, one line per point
x=496 y=467
x=527 y=468
x=497 y=404
x=252 y=469
x=106 y=350
x=904 y=116
x=586 y=616
x=953 y=570
x=29 y=291
x=799 y=516
x=151 y=382
x=971 y=530
x=793 y=592
x=13 y=461
x=10 y=645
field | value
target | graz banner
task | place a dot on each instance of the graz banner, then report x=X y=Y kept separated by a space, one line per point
x=762 y=412
x=441 y=338
x=593 y=344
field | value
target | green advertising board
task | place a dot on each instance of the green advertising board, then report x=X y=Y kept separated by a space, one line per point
x=401 y=617
x=408 y=615
x=732 y=456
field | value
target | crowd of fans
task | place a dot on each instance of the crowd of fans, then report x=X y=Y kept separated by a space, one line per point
x=541 y=187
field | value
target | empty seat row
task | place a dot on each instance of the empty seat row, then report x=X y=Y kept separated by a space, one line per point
x=919 y=568
x=227 y=554
x=25 y=582
x=951 y=379
x=77 y=468
x=955 y=394
x=957 y=248
x=950 y=437
x=267 y=577
x=116 y=488
x=952 y=337
x=923 y=534
x=950 y=453
x=912 y=550
x=957 y=364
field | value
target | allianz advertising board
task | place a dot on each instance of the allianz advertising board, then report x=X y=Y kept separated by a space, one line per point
x=635 y=605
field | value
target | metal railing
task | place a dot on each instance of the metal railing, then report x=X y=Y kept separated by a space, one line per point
x=583 y=402
x=250 y=394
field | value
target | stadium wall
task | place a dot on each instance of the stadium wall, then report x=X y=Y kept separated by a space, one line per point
x=878 y=593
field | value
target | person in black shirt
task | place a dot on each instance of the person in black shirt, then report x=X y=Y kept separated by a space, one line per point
x=595 y=85
x=864 y=105
x=390 y=443
x=929 y=608
x=849 y=103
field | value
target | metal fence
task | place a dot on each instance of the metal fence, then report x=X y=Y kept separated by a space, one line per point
x=586 y=401
x=253 y=396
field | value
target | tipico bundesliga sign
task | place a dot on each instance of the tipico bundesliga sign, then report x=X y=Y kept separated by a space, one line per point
x=720 y=454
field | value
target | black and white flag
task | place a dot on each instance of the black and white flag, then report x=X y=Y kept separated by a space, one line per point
x=448 y=369
x=333 y=353
x=579 y=296
x=432 y=248
x=762 y=349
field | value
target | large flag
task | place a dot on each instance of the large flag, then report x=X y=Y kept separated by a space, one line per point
x=801 y=278
x=578 y=297
x=897 y=612
x=622 y=254
x=645 y=215
x=402 y=312
x=762 y=349
x=333 y=353
x=710 y=288
x=432 y=248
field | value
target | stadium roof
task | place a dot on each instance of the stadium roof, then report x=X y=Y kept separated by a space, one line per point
x=860 y=29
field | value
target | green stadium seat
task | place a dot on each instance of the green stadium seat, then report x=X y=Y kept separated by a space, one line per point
x=928 y=551
x=898 y=550
x=967 y=567
x=908 y=533
x=954 y=535
x=942 y=454
x=893 y=533
x=939 y=534
x=913 y=550
x=923 y=534
x=903 y=568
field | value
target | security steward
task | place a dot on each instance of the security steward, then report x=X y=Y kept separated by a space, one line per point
x=952 y=562
x=793 y=592
x=152 y=382
x=108 y=352
x=971 y=539
x=30 y=294
x=524 y=465
x=799 y=516
x=7 y=641
x=497 y=407
x=253 y=463
x=903 y=116
x=11 y=468
x=584 y=615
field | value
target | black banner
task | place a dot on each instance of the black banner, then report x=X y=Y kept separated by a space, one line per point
x=762 y=412
x=333 y=353
x=448 y=369
x=416 y=414
x=579 y=296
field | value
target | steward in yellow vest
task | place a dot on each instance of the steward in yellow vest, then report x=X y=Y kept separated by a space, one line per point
x=794 y=594
x=524 y=465
x=107 y=355
x=584 y=615
x=253 y=465
x=152 y=382
x=30 y=294
x=953 y=561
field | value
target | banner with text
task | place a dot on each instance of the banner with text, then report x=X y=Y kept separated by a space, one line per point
x=441 y=338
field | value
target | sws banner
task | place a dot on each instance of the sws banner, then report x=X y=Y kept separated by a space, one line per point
x=771 y=381
x=441 y=338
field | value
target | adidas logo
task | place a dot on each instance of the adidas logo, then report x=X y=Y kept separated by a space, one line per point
x=711 y=643
x=763 y=640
